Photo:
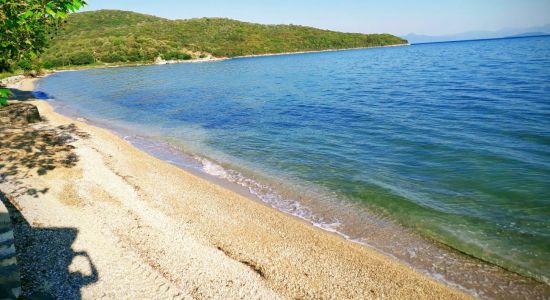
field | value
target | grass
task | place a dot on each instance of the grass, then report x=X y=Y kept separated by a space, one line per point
x=12 y=73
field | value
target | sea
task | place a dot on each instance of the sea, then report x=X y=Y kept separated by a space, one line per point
x=435 y=154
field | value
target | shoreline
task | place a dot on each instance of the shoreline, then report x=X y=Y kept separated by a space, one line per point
x=436 y=261
x=213 y=59
x=318 y=51
x=247 y=234
x=440 y=275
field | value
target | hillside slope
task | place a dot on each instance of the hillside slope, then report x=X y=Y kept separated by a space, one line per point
x=109 y=36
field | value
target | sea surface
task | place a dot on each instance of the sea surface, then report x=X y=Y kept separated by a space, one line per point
x=414 y=150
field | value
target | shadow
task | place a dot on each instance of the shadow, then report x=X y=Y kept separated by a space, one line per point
x=35 y=149
x=45 y=256
x=49 y=267
x=10 y=286
x=20 y=95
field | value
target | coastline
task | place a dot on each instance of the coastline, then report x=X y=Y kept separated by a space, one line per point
x=213 y=59
x=318 y=51
x=127 y=205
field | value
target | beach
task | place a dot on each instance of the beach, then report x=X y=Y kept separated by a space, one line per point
x=98 y=218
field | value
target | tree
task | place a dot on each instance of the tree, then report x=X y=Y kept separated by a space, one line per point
x=25 y=27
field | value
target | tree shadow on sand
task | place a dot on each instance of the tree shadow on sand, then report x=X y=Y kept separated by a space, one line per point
x=35 y=149
x=29 y=145
x=22 y=95
x=45 y=255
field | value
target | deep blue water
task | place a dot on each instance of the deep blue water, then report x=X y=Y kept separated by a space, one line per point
x=451 y=140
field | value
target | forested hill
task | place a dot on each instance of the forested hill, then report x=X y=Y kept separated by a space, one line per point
x=109 y=36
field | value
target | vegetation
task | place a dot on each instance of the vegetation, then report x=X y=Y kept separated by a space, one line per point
x=109 y=36
x=25 y=26
x=4 y=94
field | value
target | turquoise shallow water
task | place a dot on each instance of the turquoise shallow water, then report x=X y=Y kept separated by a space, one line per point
x=450 y=140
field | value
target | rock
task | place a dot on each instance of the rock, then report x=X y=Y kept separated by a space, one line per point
x=11 y=79
x=20 y=113
x=160 y=61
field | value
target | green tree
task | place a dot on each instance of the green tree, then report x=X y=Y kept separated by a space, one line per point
x=25 y=28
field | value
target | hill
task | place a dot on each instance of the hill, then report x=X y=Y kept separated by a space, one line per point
x=110 y=36
x=528 y=34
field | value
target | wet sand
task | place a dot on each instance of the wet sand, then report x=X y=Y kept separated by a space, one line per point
x=98 y=218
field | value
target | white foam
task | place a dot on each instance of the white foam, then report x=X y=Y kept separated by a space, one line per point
x=213 y=169
x=266 y=194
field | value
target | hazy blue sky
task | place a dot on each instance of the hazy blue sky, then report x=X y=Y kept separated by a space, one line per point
x=434 y=17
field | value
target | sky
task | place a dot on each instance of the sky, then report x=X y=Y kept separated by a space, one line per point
x=400 y=17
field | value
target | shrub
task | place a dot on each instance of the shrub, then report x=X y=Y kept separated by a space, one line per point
x=25 y=65
x=4 y=94
x=176 y=55
x=81 y=58
x=50 y=63
x=111 y=57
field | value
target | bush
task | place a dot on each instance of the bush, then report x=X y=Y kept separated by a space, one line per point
x=81 y=58
x=4 y=94
x=25 y=65
x=49 y=63
x=185 y=56
x=176 y=55
x=112 y=57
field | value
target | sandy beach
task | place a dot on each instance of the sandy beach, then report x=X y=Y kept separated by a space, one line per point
x=97 y=218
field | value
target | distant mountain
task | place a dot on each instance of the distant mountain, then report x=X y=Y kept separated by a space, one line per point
x=111 y=36
x=476 y=35
x=526 y=34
